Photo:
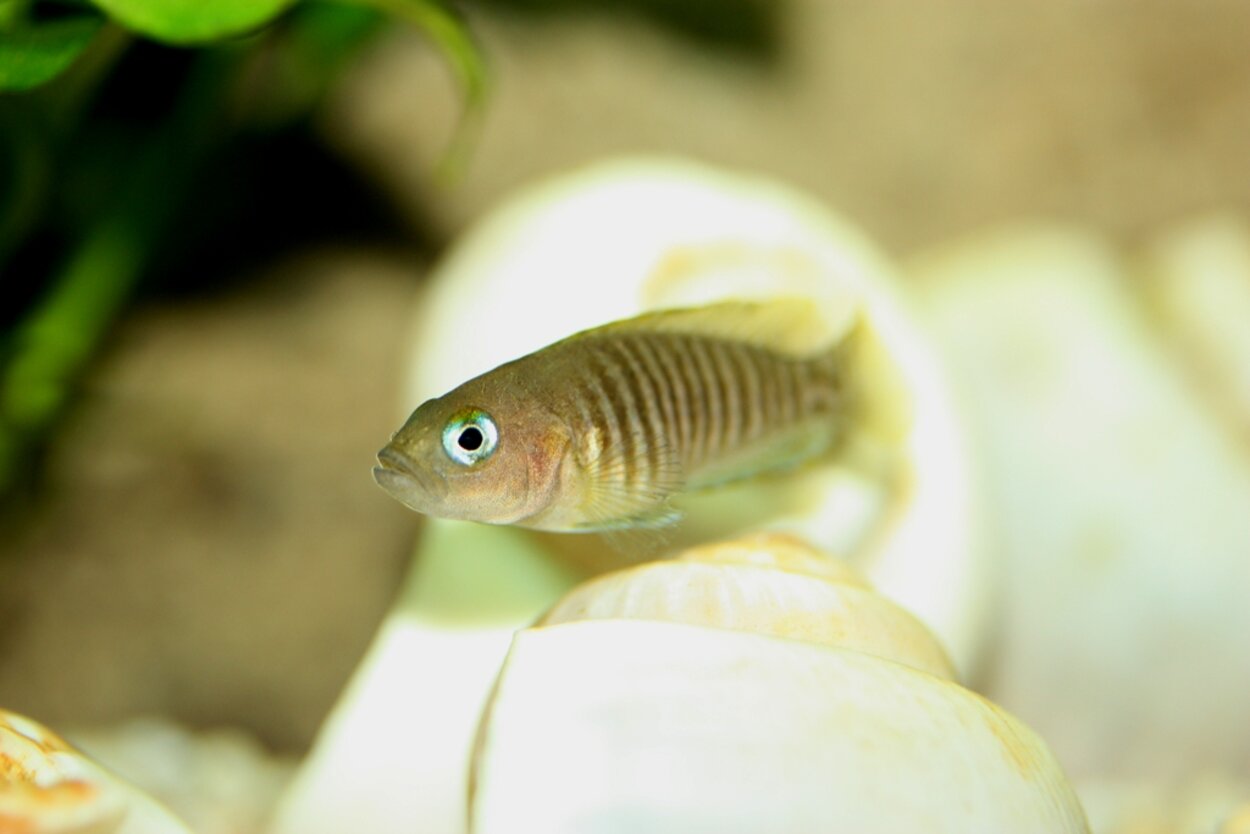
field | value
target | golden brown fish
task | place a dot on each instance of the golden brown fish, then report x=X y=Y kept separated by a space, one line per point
x=599 y=431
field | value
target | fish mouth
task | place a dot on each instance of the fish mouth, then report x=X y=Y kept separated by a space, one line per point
x=393 y=460
x=401 y=477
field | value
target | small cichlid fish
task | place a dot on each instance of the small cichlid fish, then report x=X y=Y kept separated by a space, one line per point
x=600 y=430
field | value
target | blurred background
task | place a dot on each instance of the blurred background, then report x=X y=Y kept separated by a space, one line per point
x=213 y=230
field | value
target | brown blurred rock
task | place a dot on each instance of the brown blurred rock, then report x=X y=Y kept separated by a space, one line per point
x=920 y=120
x=209 y=543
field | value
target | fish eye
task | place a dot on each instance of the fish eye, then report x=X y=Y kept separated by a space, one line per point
x=470 y=436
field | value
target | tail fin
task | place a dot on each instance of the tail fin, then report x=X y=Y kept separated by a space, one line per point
x=879 y=399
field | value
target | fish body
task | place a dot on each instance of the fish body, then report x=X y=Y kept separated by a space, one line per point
x=600 y=430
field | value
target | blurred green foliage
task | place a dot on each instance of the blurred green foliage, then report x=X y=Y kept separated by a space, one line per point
x=100 y=160
x=33 y=55
x=142 y=137
x=192 y=21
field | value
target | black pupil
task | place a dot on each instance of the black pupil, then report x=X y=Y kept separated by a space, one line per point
x=470 y=439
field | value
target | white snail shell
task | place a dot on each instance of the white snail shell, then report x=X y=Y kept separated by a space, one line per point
x=683 y=702
x=48 y=787
x=767 y=584
x=1121 y=487
x=616 y=239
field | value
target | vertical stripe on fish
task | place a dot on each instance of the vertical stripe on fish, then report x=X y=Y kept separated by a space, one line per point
x=676 y=409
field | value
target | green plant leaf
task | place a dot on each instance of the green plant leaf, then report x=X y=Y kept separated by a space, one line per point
x=35 y=54
x=192 y=21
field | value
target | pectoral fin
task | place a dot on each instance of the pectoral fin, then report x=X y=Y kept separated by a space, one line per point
x=617 y=496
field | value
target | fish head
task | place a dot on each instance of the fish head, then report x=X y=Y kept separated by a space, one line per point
x=476 y=455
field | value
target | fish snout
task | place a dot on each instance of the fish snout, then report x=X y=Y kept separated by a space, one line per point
x=403 y=478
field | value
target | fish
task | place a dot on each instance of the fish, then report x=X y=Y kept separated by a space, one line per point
x=602 y=430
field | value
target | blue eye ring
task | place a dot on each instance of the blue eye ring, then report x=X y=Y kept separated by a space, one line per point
x=470 y=436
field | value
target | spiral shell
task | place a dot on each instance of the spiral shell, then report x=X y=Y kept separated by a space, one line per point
x=48 y=787
x=627 y=236
x=742 y=688
x=767 y=584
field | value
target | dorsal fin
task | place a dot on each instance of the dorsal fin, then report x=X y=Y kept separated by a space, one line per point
x=793 y=326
